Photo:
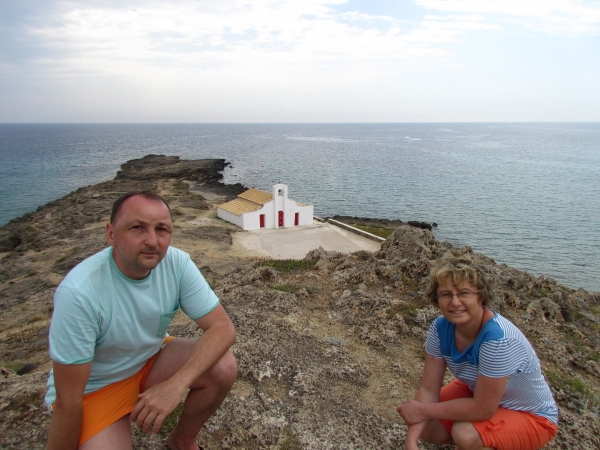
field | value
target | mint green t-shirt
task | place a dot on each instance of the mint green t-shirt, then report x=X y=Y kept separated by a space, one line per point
x=118 y=323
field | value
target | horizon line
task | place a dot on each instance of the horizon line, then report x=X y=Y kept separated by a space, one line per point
x=308 y=123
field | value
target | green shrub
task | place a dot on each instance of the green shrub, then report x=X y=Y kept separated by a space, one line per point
x=292 y=442
x=377 y=231
x=14 y=366
x=590 y=397
x=287 y=265
x=180 y=186
x=192 y=196
x=287 y=288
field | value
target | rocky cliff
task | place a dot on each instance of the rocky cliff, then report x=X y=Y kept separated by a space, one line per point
x=327 y=346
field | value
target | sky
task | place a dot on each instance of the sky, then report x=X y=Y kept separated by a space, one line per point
x=299 y=61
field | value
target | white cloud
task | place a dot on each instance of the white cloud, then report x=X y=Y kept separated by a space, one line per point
x=553 y=16
x=281 y=36
x=192 y=35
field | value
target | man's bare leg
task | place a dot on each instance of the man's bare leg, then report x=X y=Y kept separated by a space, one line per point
x=116 y=436
x=206 y=393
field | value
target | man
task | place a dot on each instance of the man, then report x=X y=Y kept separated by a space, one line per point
x=113 y=362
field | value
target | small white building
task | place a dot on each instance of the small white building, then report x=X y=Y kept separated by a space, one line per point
x=255 y=209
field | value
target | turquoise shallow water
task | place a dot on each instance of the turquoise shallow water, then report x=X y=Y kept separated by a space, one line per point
x=524 y=194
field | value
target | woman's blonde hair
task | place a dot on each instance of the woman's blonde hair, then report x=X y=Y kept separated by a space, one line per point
x=459 y=270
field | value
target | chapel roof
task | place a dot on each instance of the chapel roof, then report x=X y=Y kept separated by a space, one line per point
x=239 y=206
x=256 y=196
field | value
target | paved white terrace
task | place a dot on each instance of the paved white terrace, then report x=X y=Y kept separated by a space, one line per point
x=296 y=242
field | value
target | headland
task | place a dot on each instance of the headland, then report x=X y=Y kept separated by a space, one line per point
x=328 y=345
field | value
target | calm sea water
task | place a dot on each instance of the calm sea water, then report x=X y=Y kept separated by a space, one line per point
x=524 y=194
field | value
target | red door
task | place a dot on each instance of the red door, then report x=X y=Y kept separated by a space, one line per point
x=280 y=218
x=262 y=220
x=297 y=219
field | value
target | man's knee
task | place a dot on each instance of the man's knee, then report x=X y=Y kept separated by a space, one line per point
x=466 y=436
x=224 y=372
x=228 y=368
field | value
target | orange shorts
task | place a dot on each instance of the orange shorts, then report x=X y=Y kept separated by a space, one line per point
x=105 y=406
x=508 y=429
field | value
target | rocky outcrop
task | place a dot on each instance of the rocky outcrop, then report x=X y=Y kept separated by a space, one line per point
x=384 y=223
x=152 y=167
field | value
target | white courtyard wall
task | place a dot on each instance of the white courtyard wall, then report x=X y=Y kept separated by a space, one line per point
x=306 y=214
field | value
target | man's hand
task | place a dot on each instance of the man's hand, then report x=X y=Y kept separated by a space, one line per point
x=182 y=365
x=155 y=405
x=411 y=412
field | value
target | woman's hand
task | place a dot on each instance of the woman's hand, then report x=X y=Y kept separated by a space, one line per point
x=411 y=411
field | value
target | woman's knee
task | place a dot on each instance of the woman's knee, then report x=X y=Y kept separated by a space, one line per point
x=466 y=436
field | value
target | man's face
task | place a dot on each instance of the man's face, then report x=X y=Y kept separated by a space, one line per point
x=140 y=236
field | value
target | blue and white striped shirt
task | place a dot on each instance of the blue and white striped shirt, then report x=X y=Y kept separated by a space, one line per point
x=500 y=350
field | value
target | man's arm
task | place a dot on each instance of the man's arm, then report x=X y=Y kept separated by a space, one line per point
x=67 y=416
x=158 y=401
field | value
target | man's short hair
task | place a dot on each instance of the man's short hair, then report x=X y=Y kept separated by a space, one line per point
x=148 y=195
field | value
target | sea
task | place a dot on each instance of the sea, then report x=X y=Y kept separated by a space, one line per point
x=524 y=194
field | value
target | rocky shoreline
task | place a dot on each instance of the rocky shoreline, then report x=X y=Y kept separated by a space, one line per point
x=327 y=347
x=384 y=223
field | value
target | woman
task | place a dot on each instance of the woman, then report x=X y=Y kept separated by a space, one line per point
x=499 y=397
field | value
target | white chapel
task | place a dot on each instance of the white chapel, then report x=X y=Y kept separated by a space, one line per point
x=254 y=209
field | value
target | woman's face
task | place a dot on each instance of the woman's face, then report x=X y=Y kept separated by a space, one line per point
x=460 y=304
